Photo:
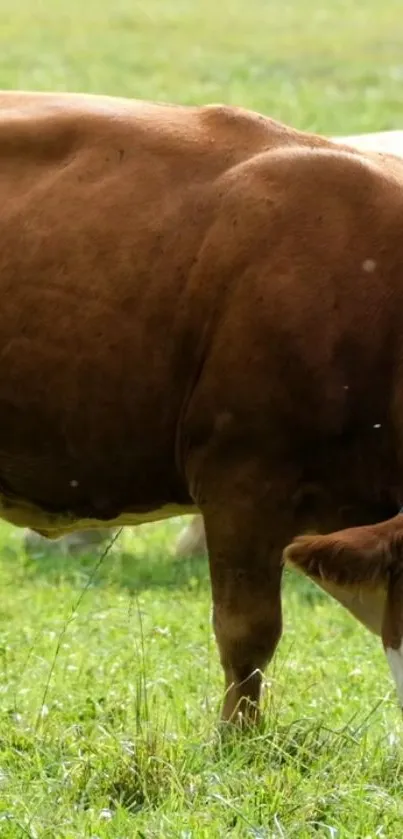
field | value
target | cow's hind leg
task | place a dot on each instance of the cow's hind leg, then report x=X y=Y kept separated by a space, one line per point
x=245 y=537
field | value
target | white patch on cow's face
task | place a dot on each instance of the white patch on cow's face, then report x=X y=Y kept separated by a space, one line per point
x=395 y=659
x=364 y=602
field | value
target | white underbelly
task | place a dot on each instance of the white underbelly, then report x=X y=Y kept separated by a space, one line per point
x=25 y=514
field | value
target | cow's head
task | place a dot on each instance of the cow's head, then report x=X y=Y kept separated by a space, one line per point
x=363 y=569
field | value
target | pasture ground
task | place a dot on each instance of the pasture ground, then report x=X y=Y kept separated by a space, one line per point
x=110 y=684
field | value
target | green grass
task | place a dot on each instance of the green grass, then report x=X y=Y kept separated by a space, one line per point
x=110 y=691
x=110 y=684
x=335 y=66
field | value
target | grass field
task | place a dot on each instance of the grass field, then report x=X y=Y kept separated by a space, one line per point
x=110 y=684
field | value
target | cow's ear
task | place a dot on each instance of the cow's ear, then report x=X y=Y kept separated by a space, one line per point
x=356 y=555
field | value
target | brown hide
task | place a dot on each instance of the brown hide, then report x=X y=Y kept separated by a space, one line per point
x=201 y=307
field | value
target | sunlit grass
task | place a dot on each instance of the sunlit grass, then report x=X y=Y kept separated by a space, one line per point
x=333 y=66
x=118 y=735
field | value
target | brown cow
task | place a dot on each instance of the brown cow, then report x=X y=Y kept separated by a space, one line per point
x=200 y=309
x=192 y=539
